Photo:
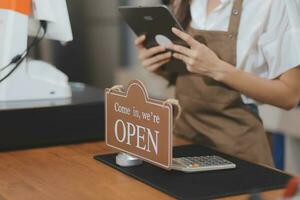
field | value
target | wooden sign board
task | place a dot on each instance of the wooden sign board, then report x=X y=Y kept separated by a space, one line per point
x=138 y=125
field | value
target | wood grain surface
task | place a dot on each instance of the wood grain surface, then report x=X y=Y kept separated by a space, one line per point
x=70 y=173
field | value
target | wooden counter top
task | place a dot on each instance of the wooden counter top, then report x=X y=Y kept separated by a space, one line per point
x=70 y=172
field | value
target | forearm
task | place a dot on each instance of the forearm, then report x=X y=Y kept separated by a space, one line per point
x=273 y=92
x=283 y=92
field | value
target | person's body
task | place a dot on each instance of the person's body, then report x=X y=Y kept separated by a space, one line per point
x=242 y=52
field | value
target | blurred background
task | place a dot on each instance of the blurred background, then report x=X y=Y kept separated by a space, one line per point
x=103 y=54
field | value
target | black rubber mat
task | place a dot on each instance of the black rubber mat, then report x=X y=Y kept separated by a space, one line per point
x=246 y=178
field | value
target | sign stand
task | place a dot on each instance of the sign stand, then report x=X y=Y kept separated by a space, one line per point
x=126 y=160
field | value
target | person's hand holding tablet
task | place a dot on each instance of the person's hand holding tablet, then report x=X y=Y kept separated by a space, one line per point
x=199 y=58
x=152 y=25
x=153 y=58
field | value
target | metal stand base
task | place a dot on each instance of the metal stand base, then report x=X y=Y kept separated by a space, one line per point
x=126 y=160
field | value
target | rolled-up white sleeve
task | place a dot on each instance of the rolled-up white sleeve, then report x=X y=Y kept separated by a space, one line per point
x=280 y=44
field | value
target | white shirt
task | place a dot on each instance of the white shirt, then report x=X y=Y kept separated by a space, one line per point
x=269 y=34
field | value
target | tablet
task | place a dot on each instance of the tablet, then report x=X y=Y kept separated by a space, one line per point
x=156 y=23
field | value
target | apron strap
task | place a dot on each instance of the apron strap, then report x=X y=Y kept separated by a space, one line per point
x=235 y=19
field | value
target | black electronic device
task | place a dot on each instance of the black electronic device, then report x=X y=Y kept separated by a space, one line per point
x=156 y=23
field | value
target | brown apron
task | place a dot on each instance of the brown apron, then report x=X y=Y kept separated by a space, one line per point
x=214 y=114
